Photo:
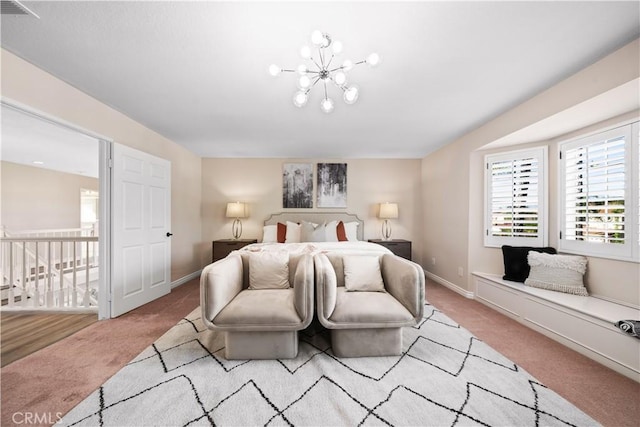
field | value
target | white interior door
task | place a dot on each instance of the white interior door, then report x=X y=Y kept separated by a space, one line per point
x=141 y=221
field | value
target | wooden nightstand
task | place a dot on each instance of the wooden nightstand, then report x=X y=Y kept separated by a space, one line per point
x=222 y=248
x=397 y=246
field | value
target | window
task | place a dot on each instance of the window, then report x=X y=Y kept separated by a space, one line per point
x=89 y=212
x=599 y=194
x=515 y=203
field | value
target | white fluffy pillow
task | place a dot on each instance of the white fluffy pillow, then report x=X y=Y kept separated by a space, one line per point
x=351 y=230
x=293 y=232
x=331 y=231
x=362 y=273
x=310 y=232
x=562 y=273
x=270 y=234
x=268 y=270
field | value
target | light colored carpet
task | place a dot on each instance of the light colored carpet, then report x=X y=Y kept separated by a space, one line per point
x=445 y=377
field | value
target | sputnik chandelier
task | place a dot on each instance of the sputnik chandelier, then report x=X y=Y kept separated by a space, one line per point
x=319 y=69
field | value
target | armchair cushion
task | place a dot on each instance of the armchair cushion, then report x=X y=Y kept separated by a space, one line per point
x=260 y=308
x=362 y=273
x=375 y=309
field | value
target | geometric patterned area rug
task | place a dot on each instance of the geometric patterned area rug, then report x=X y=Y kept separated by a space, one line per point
x=445 y=377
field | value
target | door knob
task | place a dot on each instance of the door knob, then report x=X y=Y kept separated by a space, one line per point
x=169 y=234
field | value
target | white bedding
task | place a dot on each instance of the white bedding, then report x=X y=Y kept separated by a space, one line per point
x=356 y=248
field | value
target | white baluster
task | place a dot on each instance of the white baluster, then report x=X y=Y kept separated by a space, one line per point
x=10 y=296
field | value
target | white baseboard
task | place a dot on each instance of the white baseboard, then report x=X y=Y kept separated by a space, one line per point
x=447 y=284
x=185 y=279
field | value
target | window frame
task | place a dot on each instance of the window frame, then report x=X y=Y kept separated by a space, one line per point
x=541 y=153
x=630 y=250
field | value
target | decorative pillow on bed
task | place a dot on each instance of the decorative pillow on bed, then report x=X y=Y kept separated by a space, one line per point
x=341 y=232
x=282 y=232
x=362 y=273
x=268 y=270
x=351 y=231
x=331 y=231
x=293 y=233
x=562 y=273
x=269 y=234
x=516 y=267
x=274 y=233
x=310 y=232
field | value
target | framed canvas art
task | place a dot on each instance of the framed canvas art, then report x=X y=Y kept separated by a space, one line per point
x=332 y=185
x=297 y=185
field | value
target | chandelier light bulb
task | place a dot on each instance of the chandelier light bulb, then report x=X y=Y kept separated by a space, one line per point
x=317 y=38
x=300 y=99
x=304 y=82
x=347 y=65
x=373 y=59
x=340 y=78
x=326 y=105
x=302 y=69
x=305 y=52
x=274 y=70
x=351 y=95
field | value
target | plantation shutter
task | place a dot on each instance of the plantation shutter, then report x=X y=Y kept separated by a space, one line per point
x=597 y=201
x=515 y=190
x=594 y=192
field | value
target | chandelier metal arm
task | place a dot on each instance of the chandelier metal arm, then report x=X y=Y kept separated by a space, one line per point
x=330 y=61
x=314 y=83
x=321 y=57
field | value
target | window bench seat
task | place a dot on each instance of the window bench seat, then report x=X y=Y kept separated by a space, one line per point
x=585 y=324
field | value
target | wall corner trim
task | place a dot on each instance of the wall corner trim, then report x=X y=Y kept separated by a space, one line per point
x=185 y=279
x=448 y=284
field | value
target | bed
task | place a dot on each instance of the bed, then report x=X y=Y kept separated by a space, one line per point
x=315 y=241
x=263 y=294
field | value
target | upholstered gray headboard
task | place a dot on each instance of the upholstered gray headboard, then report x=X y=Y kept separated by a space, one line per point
x=317 y=217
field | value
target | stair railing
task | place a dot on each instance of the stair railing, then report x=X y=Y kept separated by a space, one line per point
x=48 y=272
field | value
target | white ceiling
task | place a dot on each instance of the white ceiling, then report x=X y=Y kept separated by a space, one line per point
x=35 y=142
x=196 y=72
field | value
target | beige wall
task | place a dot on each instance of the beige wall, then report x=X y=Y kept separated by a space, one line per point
x=28 y=85
x=35 y=198
x=452 y=184
x=259 y=183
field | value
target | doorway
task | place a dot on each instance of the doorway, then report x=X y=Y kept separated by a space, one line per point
x=49 y=260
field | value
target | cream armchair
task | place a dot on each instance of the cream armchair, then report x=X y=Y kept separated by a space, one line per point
x=257 y=323
x=365 y=323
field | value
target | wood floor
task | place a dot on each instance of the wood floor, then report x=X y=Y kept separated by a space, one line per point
x=23 y=334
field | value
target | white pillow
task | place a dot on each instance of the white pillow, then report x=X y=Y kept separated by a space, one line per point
x=310 y=232
x=293 y=233
x=561 y=273
x=351 y=230
x=270 y=234
x=362 y=273
x=331 y=231
x=268 y=270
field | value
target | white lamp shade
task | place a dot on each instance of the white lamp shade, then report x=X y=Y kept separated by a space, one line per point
x=388 y=210
x=236 y=210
